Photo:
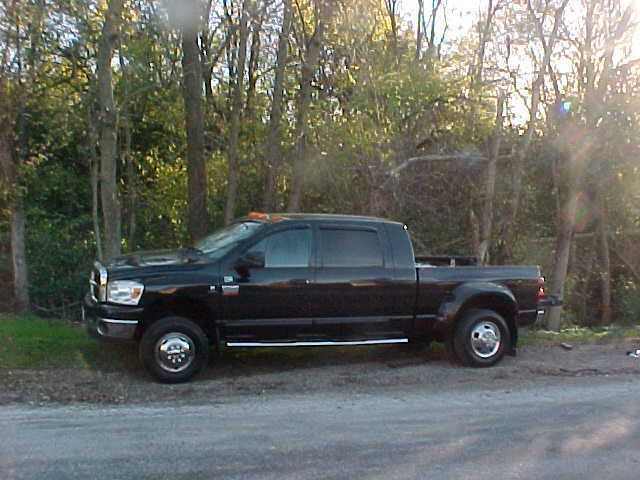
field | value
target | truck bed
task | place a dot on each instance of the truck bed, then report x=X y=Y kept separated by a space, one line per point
x=436 y=283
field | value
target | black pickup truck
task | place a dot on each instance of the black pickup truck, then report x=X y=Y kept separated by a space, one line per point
x=306 y=280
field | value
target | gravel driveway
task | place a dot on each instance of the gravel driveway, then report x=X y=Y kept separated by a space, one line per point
x=348 y=370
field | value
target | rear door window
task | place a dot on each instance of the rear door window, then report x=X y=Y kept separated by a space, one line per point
x=350 y=248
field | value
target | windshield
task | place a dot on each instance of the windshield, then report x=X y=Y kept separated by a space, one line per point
x=225 y=239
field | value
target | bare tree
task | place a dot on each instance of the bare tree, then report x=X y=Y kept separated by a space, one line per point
x=594 y=73
x=548 y=45
x=426 y=29
x=392 y=12
x=108 y=117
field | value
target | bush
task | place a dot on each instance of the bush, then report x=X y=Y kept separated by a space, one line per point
x=627 y=301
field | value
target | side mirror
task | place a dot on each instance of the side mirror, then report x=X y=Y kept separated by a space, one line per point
x=249 y=260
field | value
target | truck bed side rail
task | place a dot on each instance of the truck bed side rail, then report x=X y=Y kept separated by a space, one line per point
x=447 y=260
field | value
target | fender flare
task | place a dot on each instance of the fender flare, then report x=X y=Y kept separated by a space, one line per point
x=469 y=292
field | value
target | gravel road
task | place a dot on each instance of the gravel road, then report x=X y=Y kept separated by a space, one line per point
x=567 y=428
x=379 y=413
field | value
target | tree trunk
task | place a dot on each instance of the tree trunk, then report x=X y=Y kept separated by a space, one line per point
x=19 y=256
x=482 y=252
x=16 y=218
x=309 y=66
x=419 y=32
x=108 y=132
x=392 y=6
x=561 y=261
x=564 y=237
x=127 y=158
x=254 y=57
x=274 y=150
x=95 y=204
x=605 y=262
x=94 y=178
x=236 y=115
x=192 y=93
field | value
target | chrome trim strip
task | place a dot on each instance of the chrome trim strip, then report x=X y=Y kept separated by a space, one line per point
x=317 y=343
x=123 y=322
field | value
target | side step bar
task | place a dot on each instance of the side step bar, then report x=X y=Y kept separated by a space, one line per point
x=317 y=343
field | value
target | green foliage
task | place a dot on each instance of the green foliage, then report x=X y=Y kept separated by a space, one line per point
x=627 y=296
x=375 y=104
x=60 y=243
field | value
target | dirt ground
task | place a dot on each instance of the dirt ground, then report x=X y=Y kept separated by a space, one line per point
x=346 y=370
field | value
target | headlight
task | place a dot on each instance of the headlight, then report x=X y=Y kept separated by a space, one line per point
x=124 y=292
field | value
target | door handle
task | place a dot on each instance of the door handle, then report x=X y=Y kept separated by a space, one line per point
x=230 y=290
x=299 y=281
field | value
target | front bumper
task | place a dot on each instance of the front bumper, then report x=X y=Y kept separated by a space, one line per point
x=110 y=323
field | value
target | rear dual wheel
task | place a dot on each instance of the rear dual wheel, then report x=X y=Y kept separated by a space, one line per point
x=480 y=339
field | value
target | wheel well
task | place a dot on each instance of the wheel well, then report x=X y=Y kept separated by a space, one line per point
x=196 y=311
x=505 y=308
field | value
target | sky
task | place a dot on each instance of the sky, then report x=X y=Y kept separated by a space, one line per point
x=461 y=14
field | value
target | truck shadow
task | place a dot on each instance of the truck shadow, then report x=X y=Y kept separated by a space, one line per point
x=238 y=362
x=248 y=361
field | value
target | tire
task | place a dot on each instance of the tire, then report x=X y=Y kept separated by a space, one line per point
x=481 y=338
x=174 y=349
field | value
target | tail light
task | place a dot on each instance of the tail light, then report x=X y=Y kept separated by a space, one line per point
x=540 y=292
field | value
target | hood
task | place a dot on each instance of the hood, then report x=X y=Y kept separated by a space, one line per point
x=155 y=258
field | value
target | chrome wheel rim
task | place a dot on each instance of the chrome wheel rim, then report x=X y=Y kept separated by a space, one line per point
x=485 y=339
x=175 y=352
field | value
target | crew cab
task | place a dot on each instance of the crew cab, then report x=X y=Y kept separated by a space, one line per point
x=285 y=280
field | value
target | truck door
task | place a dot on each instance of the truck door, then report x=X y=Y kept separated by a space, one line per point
x=354 y=279
x=274 y=301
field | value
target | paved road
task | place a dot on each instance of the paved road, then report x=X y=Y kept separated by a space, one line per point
x=588 y=428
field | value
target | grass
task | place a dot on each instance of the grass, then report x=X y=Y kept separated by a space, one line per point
x=578 y=335
x=27 y=341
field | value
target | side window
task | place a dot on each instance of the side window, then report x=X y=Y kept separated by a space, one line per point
x=289 y=248
x=350 y=248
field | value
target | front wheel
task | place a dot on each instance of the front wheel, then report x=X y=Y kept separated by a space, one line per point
x=174 y=349
x=481 y=338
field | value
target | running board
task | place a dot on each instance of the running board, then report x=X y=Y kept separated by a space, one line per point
x=318 y=343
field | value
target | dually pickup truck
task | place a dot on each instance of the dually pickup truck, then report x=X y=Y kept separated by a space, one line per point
x=271 y=280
